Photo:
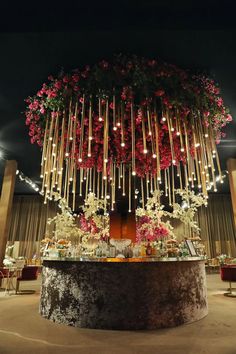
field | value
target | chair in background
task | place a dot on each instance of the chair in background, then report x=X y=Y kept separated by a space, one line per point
x=27 y=274
x=7 y=274
x=3 y=275
x=228 y=273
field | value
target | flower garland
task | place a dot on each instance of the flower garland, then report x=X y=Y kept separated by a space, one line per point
x=133 y=116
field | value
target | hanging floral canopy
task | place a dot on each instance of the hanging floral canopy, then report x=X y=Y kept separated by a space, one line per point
x=130 y=124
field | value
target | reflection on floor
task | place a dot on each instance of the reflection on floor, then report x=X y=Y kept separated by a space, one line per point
x=22 y=330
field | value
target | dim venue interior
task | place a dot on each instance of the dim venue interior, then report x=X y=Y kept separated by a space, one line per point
x=118 y=179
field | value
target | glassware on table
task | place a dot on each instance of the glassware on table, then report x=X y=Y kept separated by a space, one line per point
x=89 y=246
x=120 y=244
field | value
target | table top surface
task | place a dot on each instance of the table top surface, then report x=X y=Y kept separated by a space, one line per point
x=124 y=260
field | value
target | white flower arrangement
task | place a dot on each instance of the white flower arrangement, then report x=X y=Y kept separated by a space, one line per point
x=65 y=223
x=190 y=203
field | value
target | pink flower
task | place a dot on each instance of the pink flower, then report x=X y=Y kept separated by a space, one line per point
x=229 y=118
x=66 y=79
x=58 y=85
x=75 y=77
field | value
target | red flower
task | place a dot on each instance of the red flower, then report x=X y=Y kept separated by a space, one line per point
x=159 y=93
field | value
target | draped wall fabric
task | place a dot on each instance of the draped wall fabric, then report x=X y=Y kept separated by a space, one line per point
x=28 y=223
x=29 y=216
x=217 y=226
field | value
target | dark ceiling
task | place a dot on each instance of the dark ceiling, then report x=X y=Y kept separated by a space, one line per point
x=36 y=41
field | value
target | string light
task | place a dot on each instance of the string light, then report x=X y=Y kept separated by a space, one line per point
x=27 y=180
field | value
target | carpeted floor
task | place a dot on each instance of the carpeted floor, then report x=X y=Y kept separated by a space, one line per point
x=23 y=331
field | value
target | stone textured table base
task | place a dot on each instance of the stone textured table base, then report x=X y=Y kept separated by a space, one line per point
x=123 y=295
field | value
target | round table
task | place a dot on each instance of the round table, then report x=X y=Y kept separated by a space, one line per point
x=133 y=293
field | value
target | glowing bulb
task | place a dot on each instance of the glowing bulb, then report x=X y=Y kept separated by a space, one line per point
x=89 y=155
x=154 y=156
x=182 y=149
x=197 y=145
x=41 y=176
x=129 y=210
x=178 y=133
x=149 y=133
x=145 y=151
x=134 y=173
x=118 y=124
x=172 y=129
x=115 y=128
x=80 y=160
x=104 y=177
x=122 y=144
x=108 y=197
x=206 y=135
x=106 y=160
x=67 y=154
x=174 y=162
x=100 y=119
x=90 y=138
x=163 y=119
